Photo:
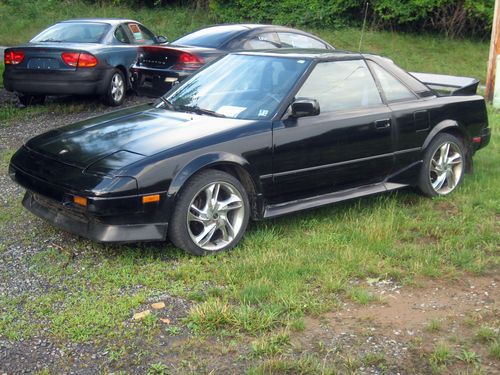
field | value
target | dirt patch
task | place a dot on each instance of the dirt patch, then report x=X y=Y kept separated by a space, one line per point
x=405 y=327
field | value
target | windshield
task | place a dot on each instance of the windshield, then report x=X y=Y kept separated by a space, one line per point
x=211 y=37
x=238 y=86
x=73 y=32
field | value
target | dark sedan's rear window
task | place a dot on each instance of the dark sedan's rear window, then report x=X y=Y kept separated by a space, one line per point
x=73 y=32
x=211 y=37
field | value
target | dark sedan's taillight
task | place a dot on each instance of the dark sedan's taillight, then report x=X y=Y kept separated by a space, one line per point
x=13 y=57
x=188 y=61
x=79 y=60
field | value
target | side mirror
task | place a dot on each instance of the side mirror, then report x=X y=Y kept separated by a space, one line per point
x=303 y=107
x=161 y=39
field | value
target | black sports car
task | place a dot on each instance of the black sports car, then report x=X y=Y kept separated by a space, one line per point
x=253 y=135
x=77 y=57
x=158 y=68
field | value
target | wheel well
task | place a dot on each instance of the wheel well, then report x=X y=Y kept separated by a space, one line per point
x=244 y=177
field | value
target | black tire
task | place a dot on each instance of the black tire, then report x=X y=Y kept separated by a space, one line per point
x=183 y=232
x=116 y=89
x=27 y=100
x=431 y=181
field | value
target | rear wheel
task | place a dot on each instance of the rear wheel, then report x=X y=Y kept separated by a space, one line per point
x=211 y=214
x=115 y=92
x=444 y=165
x=27 y=100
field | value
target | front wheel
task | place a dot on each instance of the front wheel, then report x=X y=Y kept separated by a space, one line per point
x=444 y=166
x=211 y=214
x=115 y=92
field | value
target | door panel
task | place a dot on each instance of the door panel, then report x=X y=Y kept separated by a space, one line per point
x=348 y=144
x=331 y=152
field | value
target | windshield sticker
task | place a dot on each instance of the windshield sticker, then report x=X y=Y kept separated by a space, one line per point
x=301 y=61
x=263 y=113
x=230 y=110
x=135 y=31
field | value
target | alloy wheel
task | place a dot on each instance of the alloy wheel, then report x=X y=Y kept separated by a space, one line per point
x=215 y=216
x=446 y=168
x=117 y=87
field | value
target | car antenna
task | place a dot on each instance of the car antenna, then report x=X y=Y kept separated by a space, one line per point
x=363 y=28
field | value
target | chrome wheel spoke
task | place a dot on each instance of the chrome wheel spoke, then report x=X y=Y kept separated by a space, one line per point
x=438 y=183
x=212 y=193
x=227 y=230
x=444 y=150
x=206 y=235
x=232 y=203
x=454 y=159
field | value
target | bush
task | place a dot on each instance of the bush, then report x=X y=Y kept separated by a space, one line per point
x=451 y=17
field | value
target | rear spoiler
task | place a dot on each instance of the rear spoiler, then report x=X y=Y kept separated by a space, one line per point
x=448 y=85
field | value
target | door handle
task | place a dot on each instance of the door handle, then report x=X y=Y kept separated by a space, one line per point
x=382 y=124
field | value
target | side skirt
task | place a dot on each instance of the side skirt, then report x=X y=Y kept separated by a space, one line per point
x=322 y=200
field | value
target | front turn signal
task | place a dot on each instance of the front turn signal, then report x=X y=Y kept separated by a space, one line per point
x=81 y=201
x=151 y=198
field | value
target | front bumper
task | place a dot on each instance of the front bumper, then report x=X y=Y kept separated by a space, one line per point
x=74 y=220
x=78 y=82
x=114 y=212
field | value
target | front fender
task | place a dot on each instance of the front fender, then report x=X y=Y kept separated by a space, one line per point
x=212 y=160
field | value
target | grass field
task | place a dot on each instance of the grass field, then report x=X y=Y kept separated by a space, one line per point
x=285 y=270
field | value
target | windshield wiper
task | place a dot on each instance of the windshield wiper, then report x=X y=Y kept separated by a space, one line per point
x=198 y=110
x=167 y=103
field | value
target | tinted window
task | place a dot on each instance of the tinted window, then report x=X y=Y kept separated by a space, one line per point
x=73 y=32
x=262 y=41
x=120 y=35
x=240 y=86
x=299 y=41
x=140 y=35
x=393 y=89
x=211 y=37
x=341 y=85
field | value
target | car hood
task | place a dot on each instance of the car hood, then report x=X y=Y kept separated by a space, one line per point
x=142 y=131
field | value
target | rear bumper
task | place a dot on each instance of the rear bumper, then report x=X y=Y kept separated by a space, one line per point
x=90 y=227
x=485 y=137
x=155 y=82
x=78 y=82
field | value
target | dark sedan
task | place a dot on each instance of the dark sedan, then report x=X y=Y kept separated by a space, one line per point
x=77 y=57
x=158 y=68
x=252 y=136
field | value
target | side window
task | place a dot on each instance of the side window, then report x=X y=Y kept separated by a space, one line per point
x=141 y=35
x=299 y=41
x=121 y=35
x=393 y=89
x=262 y=41
x=341 y=85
